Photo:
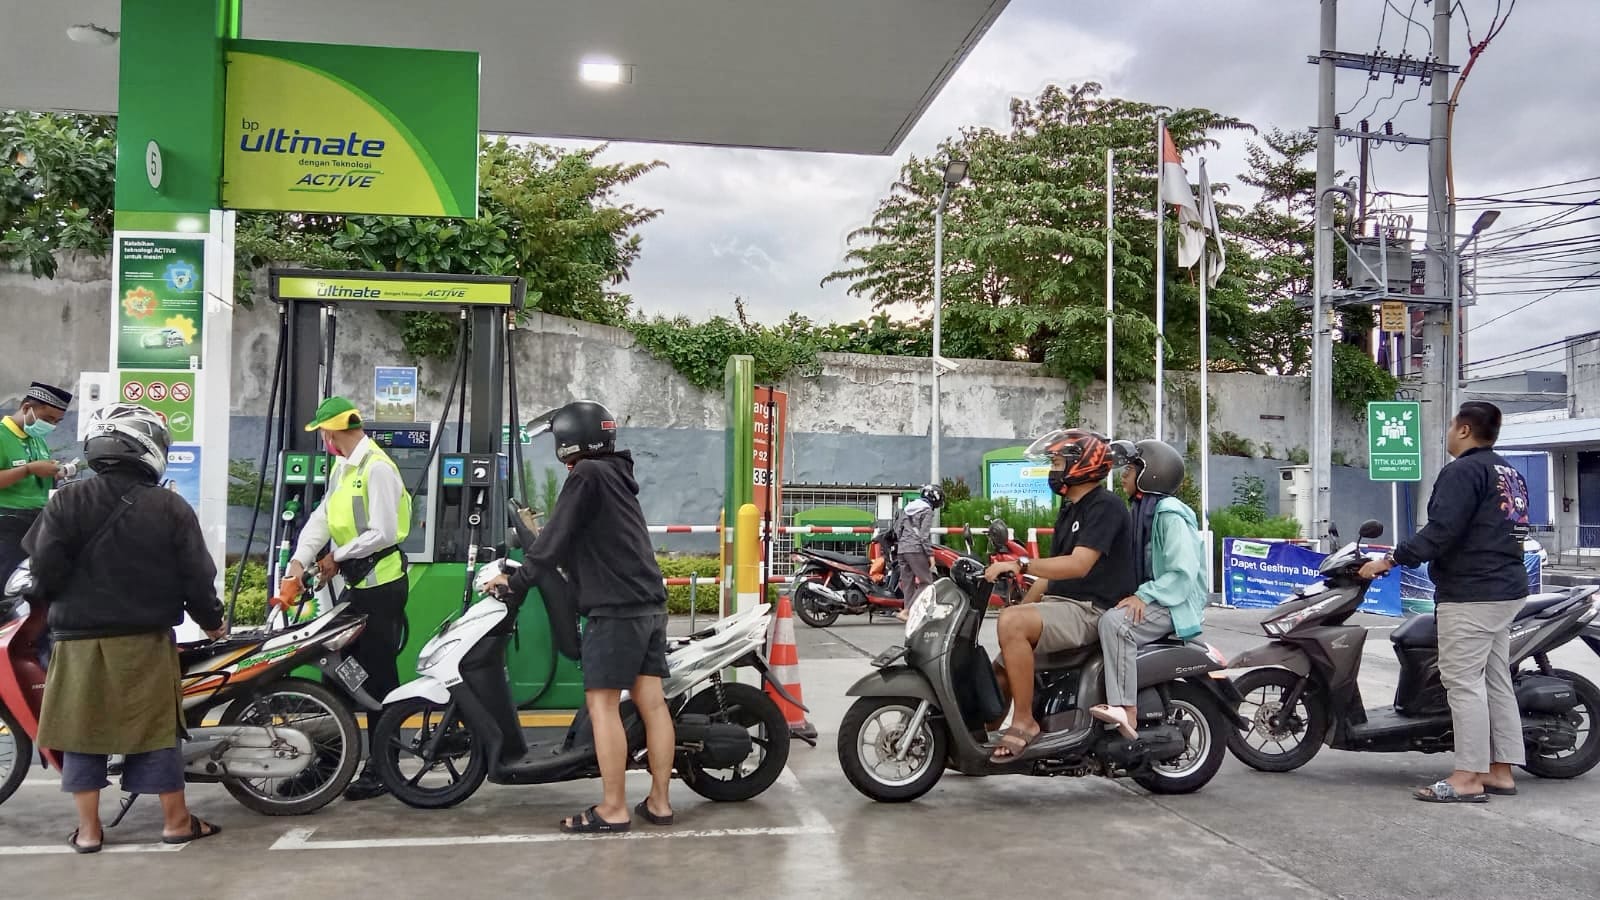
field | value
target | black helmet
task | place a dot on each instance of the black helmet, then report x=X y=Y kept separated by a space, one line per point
x=581 y=428
x=125 y=434
x=1160 y=467
x=933 y=494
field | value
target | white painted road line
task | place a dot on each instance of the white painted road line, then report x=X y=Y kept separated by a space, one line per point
x=53 y=849
x=812 y=822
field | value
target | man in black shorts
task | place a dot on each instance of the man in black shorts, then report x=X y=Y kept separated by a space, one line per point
x=597 y=534
x=1089 y=570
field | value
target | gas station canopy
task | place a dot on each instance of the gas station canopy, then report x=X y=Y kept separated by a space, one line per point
x=848 y=76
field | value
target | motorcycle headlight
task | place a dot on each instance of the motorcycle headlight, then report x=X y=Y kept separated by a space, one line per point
x=925 y=609
x=432 y=657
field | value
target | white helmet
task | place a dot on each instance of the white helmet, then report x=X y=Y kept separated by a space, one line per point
x=127 y=434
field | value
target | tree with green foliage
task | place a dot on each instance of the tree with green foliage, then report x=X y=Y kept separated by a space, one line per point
x=56 y=186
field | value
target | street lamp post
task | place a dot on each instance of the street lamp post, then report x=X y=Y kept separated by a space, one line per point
x=1456 y=371
x=955 y=172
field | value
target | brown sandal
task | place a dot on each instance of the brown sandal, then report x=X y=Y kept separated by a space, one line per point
x=1012 y=745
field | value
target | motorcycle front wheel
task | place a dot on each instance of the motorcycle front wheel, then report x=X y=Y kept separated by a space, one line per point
x=749 y=707
x=869 y=738
x=1278 y=739
x=16 y=754
x=320 y=715
x=807 y=610
x=427 y=755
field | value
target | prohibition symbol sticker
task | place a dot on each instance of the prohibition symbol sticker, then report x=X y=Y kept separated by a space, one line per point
x=133 y=392
x=157 y=391
x=180 y=392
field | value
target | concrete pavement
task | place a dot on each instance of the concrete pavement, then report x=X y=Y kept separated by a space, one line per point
x=1344 y=826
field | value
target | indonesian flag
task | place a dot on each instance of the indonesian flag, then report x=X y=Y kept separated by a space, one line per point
x=1215 y=262
x=1175 y=190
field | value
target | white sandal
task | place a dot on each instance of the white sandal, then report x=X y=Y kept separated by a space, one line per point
x=1115 y=716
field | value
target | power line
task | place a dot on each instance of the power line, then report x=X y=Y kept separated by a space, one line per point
x=1539 y=299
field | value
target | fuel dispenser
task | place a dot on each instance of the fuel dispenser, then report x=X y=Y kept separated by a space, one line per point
x=454 y=466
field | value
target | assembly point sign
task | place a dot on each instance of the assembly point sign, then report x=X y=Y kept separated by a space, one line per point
x=344 y=129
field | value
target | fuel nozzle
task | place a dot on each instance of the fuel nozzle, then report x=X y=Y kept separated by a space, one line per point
x=291 y=509
x=70 y=469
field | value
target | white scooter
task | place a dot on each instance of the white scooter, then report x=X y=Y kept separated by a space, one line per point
x=455 y=725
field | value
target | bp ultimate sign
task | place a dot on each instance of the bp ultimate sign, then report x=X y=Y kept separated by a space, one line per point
x=340 y=129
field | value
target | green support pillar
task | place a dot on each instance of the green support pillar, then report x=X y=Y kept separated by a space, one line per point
x=739 y=386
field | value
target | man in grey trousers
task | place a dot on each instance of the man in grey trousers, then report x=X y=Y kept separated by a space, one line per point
x=1477 y=520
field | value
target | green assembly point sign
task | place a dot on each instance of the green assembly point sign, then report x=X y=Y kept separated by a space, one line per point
x=343 y=129
x=161 y=302
x=169 y=394
x=1394 y=441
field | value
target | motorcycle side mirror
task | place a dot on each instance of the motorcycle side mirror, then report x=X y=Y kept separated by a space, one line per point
x=513 y=539
x=1371 y=529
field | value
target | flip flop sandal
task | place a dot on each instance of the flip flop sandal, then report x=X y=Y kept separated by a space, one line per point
x=1115 y=716
x=589 y=822
x=643 y=809
x=1015 y=743
x=1500 y=791
x=197 y=830
x=72 y=841
x=1445 y=792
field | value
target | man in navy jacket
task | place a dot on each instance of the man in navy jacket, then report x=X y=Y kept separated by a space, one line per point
x=1477 y=520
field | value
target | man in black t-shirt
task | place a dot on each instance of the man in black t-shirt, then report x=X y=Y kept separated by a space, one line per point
x=1089 y=570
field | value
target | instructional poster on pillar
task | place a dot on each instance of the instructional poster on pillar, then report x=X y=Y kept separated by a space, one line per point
x=160 y=302
x=183 y=472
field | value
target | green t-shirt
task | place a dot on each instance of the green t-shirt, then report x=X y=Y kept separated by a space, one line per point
x=18 y=449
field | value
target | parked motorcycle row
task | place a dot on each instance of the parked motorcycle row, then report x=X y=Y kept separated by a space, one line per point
x=286 y=745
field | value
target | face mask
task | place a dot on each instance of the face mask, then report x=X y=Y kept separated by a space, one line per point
x=38 y=428
x=1058 y=481
x=327 y=443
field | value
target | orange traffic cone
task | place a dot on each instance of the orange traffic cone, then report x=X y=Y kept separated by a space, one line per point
x=784 y=657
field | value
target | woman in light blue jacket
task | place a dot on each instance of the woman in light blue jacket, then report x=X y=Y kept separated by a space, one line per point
x=1171 y=597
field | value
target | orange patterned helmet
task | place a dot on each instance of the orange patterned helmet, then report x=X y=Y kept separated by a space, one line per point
x=1087 y=454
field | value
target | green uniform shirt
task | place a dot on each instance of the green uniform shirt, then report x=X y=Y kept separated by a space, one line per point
x=18 y=449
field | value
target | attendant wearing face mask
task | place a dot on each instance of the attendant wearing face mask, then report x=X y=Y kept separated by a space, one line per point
x=365 y=516
x=27 y=473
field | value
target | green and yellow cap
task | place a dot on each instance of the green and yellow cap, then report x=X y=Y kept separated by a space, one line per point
x=335 y=414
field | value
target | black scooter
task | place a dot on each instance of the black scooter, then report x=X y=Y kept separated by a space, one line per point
x=924 y=709
x=1307 y=693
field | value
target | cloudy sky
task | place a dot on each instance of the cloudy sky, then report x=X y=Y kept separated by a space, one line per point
x=768 y=225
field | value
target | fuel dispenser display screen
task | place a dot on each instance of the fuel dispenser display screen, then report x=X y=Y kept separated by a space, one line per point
x=410 y=445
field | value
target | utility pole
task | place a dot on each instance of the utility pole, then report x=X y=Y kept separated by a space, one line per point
x=1437 y=333
x=1322 y=286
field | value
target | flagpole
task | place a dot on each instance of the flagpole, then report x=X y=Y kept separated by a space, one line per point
x=1111 y=395
x=1161 y=284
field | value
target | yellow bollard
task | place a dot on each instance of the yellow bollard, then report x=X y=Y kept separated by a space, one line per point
x=747 y=559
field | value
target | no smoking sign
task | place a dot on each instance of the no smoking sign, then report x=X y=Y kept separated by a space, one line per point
x=133 y=392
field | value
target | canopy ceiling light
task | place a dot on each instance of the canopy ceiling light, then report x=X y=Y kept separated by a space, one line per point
x=605 y=73
x=93 y=35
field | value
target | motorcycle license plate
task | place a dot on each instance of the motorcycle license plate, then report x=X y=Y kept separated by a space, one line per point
x=888 y=656
x=352 y=674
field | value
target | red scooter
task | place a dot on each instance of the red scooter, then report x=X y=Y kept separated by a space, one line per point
x=828 y=585
x=283 y=746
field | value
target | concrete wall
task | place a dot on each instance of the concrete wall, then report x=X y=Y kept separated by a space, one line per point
x=855 y=419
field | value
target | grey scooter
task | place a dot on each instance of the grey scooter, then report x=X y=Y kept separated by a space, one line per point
x=923 y=709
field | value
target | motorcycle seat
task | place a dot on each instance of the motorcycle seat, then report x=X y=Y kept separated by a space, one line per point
x=1421 y=631
x=843 y=559
x=1539 y=603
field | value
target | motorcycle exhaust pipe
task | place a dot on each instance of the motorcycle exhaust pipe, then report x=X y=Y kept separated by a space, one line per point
x=833 y=597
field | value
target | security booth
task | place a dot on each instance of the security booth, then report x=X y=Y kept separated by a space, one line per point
x=456 y=464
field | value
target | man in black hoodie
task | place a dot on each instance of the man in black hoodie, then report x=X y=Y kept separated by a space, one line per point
x=1477 y=519
x=597 y=535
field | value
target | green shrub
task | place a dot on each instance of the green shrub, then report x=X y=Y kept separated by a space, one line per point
x=251 y=608
x=1242 y=522
x=690 y=567
x=975 y=514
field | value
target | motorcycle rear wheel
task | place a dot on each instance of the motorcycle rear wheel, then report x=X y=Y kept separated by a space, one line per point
x=805 y=608
x=1307 y=725
x=751 y=708
x=337 y=748
x=16 y=755
x=391 y=750
x=1581 y=758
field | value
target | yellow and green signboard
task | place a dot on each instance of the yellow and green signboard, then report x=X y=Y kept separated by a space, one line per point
x=390 y=290
x=344 y=129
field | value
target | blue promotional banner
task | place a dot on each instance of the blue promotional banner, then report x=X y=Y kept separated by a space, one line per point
x=183 y=472
x=1263 y=574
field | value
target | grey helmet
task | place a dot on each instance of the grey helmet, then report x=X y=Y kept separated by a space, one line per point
x=125 y=434
x=1160 y=467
